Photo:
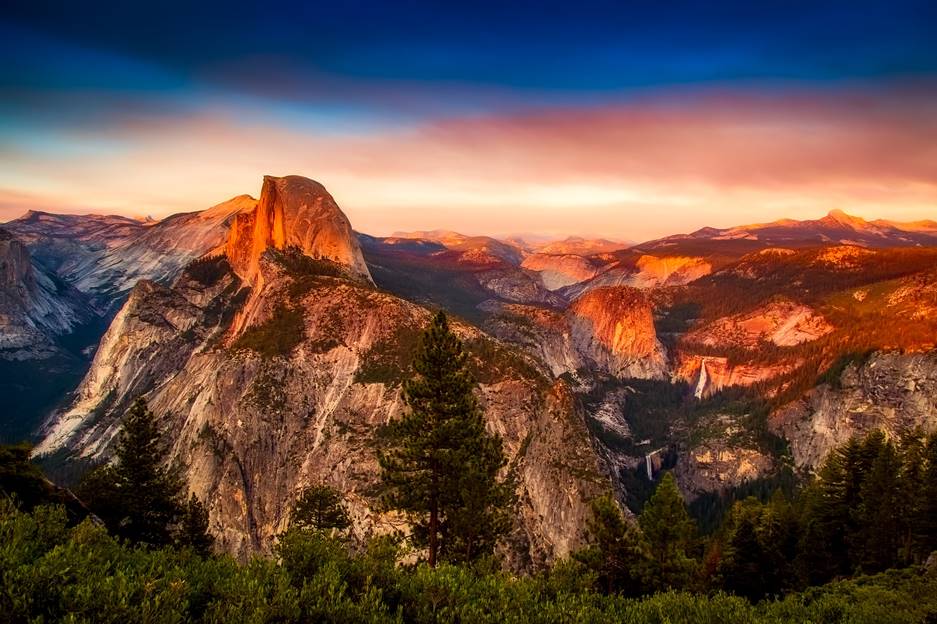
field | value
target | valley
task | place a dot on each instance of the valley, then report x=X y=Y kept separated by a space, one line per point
x=271 y=341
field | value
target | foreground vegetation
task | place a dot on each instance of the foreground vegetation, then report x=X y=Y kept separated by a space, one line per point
x=131 y=547
x=52 y=572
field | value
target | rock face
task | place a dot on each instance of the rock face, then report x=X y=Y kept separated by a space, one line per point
x=557 y=271
x=105 y=256
x=783 y=323
x=616 y=327
x=608 y=329
x=35 y=308
x=722 y=455
x=646 y=271
x=253 y=423
x=709 y=374
x=891 y=391
x=293 y=212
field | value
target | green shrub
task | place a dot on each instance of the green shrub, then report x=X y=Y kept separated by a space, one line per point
x=279 y=335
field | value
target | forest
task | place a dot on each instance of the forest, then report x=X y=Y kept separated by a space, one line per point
x=854 y=542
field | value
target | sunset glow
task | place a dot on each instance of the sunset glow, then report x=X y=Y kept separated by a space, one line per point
x=112 y=126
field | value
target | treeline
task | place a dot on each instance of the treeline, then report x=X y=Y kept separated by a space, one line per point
x=872 y=507
x=52 y=569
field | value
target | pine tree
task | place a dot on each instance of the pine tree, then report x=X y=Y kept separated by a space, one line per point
x=439 y=464
x=617 y=553
x=754 y=562
x=880 y=513
x=320 y=508
x=926 y=521
x=912 y=489
x=192 y=531
x=136 y=496
x=670 y=534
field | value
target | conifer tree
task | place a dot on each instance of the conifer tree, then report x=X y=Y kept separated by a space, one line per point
x=926 y=520
x=136 y=496
x=193 y=527
x=440 y=465
x=320 y=508
x=754 y=562
x=912 y=487
x=670 y=534
x=880 y=513
x=617 y=553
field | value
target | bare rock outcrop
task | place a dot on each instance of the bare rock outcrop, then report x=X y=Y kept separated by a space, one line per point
x=293 y=212
x=896 y=392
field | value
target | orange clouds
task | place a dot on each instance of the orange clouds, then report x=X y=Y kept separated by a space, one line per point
x=635 y=169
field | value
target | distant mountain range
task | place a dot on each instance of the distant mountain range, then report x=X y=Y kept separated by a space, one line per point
x=271 y=340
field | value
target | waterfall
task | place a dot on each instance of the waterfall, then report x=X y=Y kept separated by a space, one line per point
x=703 y=379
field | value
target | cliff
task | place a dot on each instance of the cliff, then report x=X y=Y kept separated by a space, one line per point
x=293 y=212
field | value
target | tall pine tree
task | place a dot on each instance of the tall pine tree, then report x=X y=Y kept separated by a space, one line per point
x=617 y=553
x=137 y=496
x=670 y=534
x=439 y=464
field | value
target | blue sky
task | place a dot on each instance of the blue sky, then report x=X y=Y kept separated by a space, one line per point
x=85 y=84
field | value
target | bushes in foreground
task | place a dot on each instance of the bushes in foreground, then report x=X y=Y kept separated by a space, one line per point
x=52 y=572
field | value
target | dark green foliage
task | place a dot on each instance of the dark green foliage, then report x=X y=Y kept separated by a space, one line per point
x=320 y=508
x=53 y=573
x=137 y=497
x=20 y=480
x=388 y=361
x=759 y=547
x=618 y=553
x=671 y=538
x=833 y=375
x=209 y=270
x=710 y=509
x=24 y=485
x=439 y=464
x=278 y=335
x=192 y=531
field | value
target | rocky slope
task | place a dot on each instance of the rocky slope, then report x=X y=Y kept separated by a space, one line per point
x=643 y=271
x=557 y=271
x=783 y=323
x=608 y=329
x=298 y=392
x=35 y=307
x=889 y=390
x=42 y=322
x=105 y=256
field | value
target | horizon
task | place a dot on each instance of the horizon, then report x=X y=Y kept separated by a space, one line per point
x=530 y=238
x=598 y=121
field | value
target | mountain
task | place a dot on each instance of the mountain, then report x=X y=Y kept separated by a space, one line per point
x=293 y=212
x=274 y=358
x=837 y=227
x=610 y=330
x=38 y=313
x=577 y=246
x=474 y=249
x=274 y=371
x=461 y=274
x=82 y=267
x=105 y=256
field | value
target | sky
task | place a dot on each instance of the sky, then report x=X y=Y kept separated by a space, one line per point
x=626 y=120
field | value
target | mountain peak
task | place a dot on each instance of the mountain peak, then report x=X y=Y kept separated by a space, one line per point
x=847 y=220
x=293 y=211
